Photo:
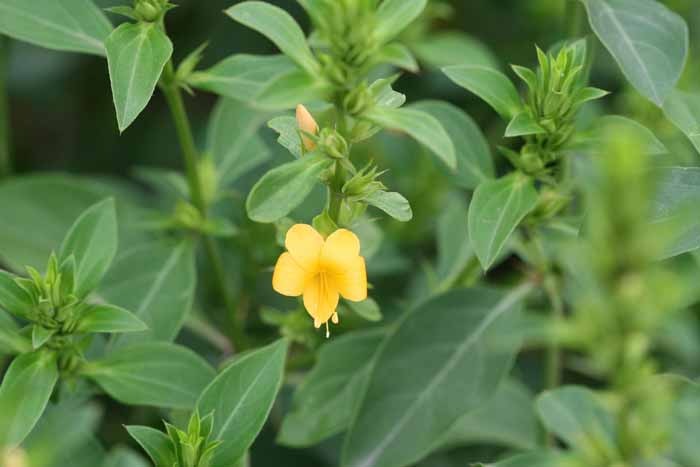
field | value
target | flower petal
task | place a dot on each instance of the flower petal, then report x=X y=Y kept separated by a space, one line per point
x=352 y=283
x=304 y=244
x=340 y=251
x=289 y=278
x=320 y=299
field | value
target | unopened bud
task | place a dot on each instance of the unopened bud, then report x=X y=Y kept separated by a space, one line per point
x=307 y=124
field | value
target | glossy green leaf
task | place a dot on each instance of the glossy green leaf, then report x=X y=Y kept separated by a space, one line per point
x=109 y=318
x=507 y=420
x=92 y=240
x=68 y=25
x=157 y=374
x=453 y=246
x=11 y=340
x=323 y=404
x=398 y=55
x=241 y=398
x=242 y=77
x=443 y=49
x=367 y=309
x=417 y=388
x=143 y=280
x=157 y=445
x=284 y=188
x=14 y=298
x=523 y=125
x=136 y=55
x=233 y=140
x=123 y=457
x=24 y=393
x=278 y=26
x=647 y=39
x=40 y=335
x=421 y=126
x=490 y=85
x=42 y=446
x=474 y=163
x=495 y=212
x=606 y=128
x=391 y=203
x=683 y=109
x=393 y=16
x=288 y=130
x=44 y=206
x=575 y=415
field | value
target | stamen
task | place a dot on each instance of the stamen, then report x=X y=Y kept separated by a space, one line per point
x=328 y=331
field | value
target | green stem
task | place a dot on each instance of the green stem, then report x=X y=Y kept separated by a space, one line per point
x=5 y=144
x=190 y=154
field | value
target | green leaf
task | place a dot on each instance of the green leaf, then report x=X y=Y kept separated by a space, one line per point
x=44 y=206
x=24 y=393
x=68 y=25
x=109 y=318
x=241 y=398
x=474 y=163
x=40 y=335
x=124 y=457
x=443 y=49
x=233 y=140
x=574 y=414
x=14 y=298
x=490 y=85
x=507 y=420
x=647 y=39
x=683 y=109
x=495 y=212
x=685 y=426
x=421 y=126
x=391 y=203
x=291 y=89
x=289 y=137
x=11 y=340
x=136 y=55
x=606 y=128
x=242 y=77
x=453 y=245
x=157 y=374
x=534 y=459
x=323 y=404
x=676 y=198
x=157 y=445
x=417 y=388
x=367 y=309
x=143 y=280
x=278 y=26
x=523 y=125
x=284 y=188
x=393 y=16
x=398 y=55
x=42 y=446
x=92 y=240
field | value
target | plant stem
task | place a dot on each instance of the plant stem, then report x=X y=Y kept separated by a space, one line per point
x=554 y=358
x=5 y=160
x=190 y=154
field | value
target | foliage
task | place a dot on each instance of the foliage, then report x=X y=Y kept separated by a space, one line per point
x=509 y=254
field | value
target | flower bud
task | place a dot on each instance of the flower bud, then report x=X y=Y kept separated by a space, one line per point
x=14 y=458
x=333 y=144
x=307 y=124
x=147 y=11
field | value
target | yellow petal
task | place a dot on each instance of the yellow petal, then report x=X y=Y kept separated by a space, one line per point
x=320 y=299
x=352 y=283
x=340 y=251
x=289 y=278
x=304 y=244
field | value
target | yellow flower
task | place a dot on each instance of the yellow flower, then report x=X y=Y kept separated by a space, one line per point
x=307 y=124
x=321 y=270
